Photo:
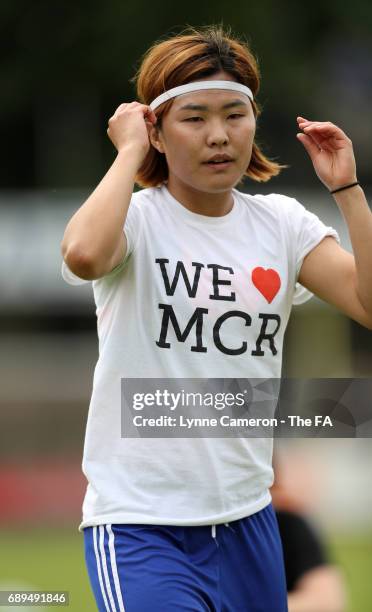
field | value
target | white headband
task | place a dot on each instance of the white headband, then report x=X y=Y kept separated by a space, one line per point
x=198 y=85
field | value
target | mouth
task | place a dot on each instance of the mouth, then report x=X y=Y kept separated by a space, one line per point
x=226 y=163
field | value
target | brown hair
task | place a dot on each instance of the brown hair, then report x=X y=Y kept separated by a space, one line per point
x=191 y=55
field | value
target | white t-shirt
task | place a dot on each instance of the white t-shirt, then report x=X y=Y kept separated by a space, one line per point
x=181 y=265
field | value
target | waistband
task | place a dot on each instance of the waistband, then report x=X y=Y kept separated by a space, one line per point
x=214 y=529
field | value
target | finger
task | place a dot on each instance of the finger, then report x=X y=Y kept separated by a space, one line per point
x=326 y=136
x=323 y=142
x=313 y=135
x=150 y=115
x=146 y=109
x=327 y=140
x=120 y=108
x=324 y=128
x=318 y=125
x=126 y=105
x=309 y=144
x=321 y=124
x=302 y=122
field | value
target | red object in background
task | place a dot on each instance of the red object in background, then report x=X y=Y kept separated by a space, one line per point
x=44 y=491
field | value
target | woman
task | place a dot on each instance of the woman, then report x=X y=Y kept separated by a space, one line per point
x=199 y=285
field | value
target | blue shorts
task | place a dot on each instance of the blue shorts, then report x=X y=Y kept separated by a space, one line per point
x=228 y=567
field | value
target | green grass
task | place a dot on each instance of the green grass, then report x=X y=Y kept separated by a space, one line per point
x=48 y=559
x=54 y=560
x=354 y=555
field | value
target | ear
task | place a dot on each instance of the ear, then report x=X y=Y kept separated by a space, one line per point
x=155 y=138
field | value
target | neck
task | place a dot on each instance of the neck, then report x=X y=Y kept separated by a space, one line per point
x=201 y=202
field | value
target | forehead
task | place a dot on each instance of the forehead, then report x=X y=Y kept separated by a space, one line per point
x=210 y=99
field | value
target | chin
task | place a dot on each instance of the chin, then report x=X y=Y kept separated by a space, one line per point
x=217 y=180
x=213 y=184
x=221 y=183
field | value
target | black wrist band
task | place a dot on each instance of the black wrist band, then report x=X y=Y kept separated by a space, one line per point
x=346 y=187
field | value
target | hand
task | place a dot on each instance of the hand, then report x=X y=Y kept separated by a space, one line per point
x=330 y=150
x=128 y=127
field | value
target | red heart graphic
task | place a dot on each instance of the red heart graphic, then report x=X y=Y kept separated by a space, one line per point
x=267 y=282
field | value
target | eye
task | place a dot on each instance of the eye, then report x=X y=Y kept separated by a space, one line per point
x=192 y=118
x=197 y=119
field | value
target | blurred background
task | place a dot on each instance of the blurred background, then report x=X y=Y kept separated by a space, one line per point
x=65 y=68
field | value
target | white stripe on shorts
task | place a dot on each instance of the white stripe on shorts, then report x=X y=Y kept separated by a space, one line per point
x=104 y=565
x=99 y=569
x=114 y=567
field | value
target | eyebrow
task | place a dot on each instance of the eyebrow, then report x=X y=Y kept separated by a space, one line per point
x=203 y=107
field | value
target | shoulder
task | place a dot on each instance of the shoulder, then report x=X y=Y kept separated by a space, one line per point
x=276 y=203
x=146 y=197
x=273 y=210
x=146 y=203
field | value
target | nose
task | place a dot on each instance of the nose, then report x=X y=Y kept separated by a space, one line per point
x=217 y=133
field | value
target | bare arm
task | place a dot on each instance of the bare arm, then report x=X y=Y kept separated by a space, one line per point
x=331 y=273
x=338 y=277
x=94 y=242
